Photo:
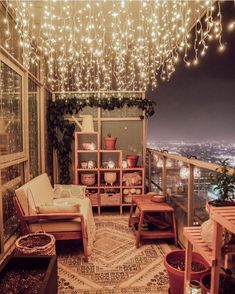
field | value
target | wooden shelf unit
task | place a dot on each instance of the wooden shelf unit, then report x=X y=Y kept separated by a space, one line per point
x=223 y=217
x=100 y=187
x=141 y=186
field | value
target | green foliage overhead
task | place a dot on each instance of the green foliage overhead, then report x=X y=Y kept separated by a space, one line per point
x=60 y=130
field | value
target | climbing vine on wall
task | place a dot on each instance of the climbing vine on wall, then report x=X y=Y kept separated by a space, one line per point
x=60 y=130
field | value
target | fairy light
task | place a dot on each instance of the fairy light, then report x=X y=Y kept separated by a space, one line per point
x=114 y=45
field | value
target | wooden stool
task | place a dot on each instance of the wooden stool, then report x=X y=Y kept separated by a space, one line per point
x=145 y=205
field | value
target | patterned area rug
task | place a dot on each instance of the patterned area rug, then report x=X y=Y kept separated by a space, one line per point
x=115 y=265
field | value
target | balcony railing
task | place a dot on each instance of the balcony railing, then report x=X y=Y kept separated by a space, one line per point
x=185 y=181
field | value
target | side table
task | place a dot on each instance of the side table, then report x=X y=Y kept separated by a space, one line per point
x=145 y=205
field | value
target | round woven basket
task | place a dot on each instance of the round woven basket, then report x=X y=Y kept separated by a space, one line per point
x=36 y=244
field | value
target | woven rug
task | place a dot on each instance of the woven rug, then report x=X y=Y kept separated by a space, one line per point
x=115 y=265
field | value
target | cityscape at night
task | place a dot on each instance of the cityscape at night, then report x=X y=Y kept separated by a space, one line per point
x=206 y=151
x=195 y=108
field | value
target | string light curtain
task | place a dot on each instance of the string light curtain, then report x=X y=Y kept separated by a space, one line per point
x=114 y=45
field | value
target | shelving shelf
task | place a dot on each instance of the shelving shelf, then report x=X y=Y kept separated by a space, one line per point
x=110 y=169
x=132 y=187
x=132 y=168
x=222 y=217
x=87 y=151
x=87 y=169
x=100 y=156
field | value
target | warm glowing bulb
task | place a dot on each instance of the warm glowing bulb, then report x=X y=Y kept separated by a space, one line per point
x=231 y=26
x=221 y=48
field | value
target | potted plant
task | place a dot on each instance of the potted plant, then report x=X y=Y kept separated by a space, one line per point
x=223 y=182
x=175 y=266
x=109 y=142
x=226 y=282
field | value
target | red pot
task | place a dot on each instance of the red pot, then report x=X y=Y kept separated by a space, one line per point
x=176 y=277
x=205 y=279
x=109 y=143
x=132 y=160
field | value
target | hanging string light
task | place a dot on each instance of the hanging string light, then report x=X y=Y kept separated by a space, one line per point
x=114 y=45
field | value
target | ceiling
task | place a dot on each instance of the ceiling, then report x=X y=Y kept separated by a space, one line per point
x=104 y=45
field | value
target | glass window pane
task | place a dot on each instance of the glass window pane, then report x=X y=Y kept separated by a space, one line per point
x=33 y=128
x=12 y=178
x=11 y=135
x=48 y=145
x=13 y=39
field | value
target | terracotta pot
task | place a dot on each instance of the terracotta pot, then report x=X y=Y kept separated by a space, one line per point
x=110 y=177
x=88 y=179
x=176 y=277
x=206 y=279
x=132 y=160
x=217 y=202
x=109 y=143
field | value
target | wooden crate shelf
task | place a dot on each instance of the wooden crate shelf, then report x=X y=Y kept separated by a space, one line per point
x=193 y=235
x=99 y=155
x=222 y=217
x=225 y=216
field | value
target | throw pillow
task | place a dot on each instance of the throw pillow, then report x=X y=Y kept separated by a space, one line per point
x=66 y=191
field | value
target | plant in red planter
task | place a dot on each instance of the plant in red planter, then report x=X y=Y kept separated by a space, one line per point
x=223 y=182
x=226 y=282
x=223 y=185
x=175 y=266
x=109 y=142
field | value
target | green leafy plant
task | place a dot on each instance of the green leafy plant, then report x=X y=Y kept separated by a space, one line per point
x=60 y=130
x=109 y=135
x=224 y=182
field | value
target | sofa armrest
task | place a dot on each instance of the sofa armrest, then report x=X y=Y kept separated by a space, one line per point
x=53 y=216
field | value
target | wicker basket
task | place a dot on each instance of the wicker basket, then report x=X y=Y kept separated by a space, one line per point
x=36 y=244
x=109 y=199
x=94 y=198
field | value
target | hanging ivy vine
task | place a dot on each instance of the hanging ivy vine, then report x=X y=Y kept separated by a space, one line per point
x=60 y=130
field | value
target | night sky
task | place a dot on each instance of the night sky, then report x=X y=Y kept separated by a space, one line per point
x=198 y=103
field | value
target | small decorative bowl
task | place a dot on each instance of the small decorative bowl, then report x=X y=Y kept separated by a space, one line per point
x=158 y=198
x=91 y=164
x=88 y=146
x=84 y=164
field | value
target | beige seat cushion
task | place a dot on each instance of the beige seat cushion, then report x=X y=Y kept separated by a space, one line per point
x=34 y=193
x=58 y=208
x=57 y=226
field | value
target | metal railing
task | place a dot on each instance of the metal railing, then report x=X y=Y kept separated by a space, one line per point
x=185 y=181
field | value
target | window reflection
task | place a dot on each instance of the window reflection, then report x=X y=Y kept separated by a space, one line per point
x=12 y=178
x=33 y=128
x=11 y=137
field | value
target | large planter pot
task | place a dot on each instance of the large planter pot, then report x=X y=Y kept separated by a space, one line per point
x=227 y=284
x=216 y=203
x=29 y=274
x=176 y=276
x=109 y=143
